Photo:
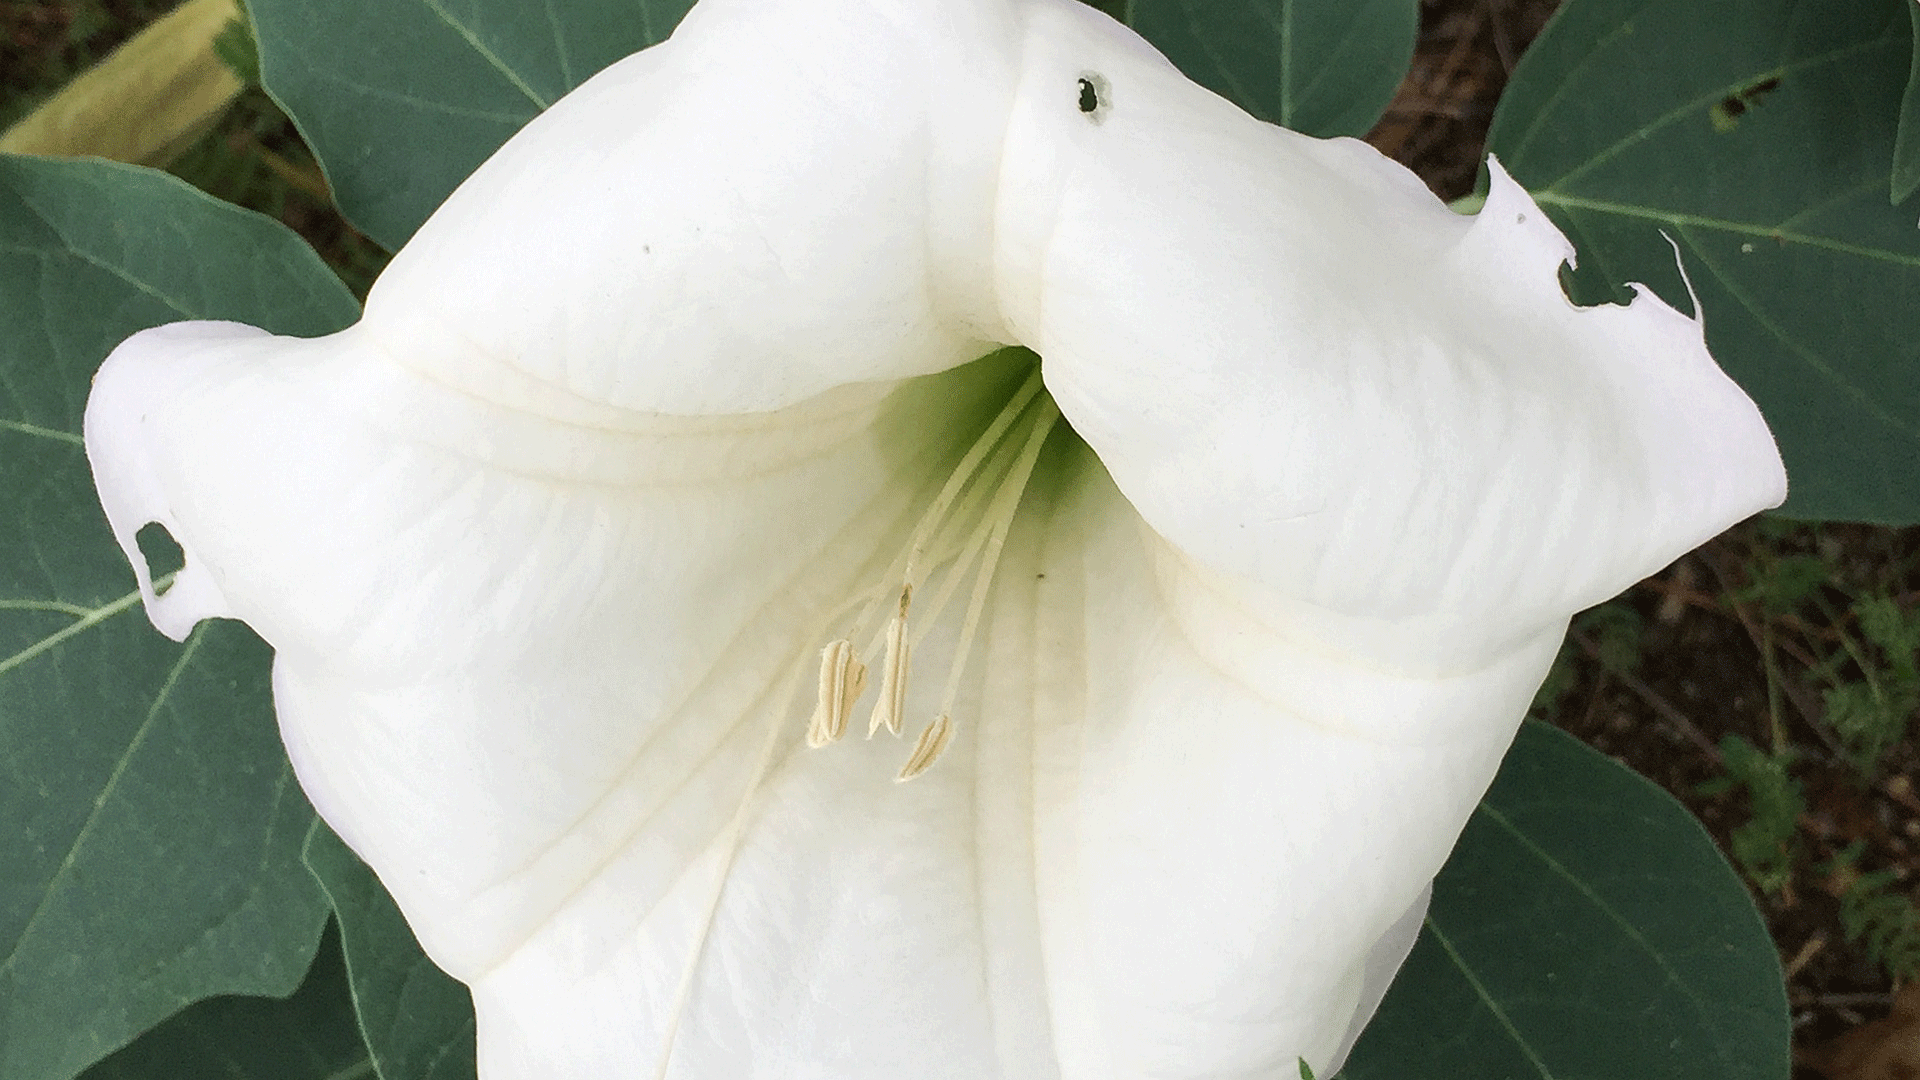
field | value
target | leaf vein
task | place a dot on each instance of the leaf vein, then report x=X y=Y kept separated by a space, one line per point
x=560 y=45
x=88 y=257
x=106 y=793
x=444 y=108
x=43 y=432
x=1227 y=74
x=1681 y=220
x=492 y=58
x=1866 y=401
x=1707 y=100
x=1602 y=905
x=1486 y=997
x=88 y=618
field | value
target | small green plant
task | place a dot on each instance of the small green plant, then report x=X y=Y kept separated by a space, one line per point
x=1779 y=585
x=1876 y=917
x=1870 y=715
x=1616 y=630
x=1767 y=845
x=1561 y=678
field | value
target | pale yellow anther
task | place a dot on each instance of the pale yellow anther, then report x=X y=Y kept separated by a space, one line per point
x=933 y=741
x=842 y=680
x=958 y=538
x=893 y=674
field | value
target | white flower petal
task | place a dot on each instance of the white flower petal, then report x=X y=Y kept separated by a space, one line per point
x=550 y=543
x=1308 y=375
x=506 y=644
x=783 y=198
x=989 y=919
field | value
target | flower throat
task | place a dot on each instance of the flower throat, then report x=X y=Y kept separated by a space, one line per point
x=960 y=535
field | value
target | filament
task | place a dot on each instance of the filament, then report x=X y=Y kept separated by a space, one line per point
x=960 y=534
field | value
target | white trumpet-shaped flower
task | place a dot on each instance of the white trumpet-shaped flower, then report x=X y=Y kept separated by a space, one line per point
x=663 y=468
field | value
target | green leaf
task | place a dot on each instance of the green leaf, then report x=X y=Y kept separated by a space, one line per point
x=1756 y=134
x=151 y=855
x=1325 y=67
x=1557 y=945
x=311 y=1035
x=1906 y=145
x=401 y=99
x=417 y=1019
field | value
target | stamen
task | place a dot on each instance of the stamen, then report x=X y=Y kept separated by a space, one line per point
x=907 y=568
x=999 y=521
x=986 y=544
x=969 y=465
x=842 y=680
x=927 y=750
x=960 y=535
x=893 y=678
x=1005 y=473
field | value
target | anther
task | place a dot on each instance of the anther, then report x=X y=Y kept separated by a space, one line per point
x=893 y=676
x=842 y=679
x=933 y=741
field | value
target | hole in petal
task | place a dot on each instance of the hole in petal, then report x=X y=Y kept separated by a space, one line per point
x=1094 y=96
x=163 y=554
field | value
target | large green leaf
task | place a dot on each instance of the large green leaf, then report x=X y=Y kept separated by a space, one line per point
x=417 y=1019
x=1586 y=928
x=311 y=1035
x=1906 y=144
x=1325 y=67
x=151 y=850
x=1757 y=134
x=401 y=99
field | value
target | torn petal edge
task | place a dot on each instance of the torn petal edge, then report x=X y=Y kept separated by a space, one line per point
x=130 y=385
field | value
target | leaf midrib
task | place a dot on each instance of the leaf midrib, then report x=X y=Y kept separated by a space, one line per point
x=1681 y=219
x=492 y=58
x=87 y=619
x=1693 y=106
x=25 y=428
x=105 y=796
